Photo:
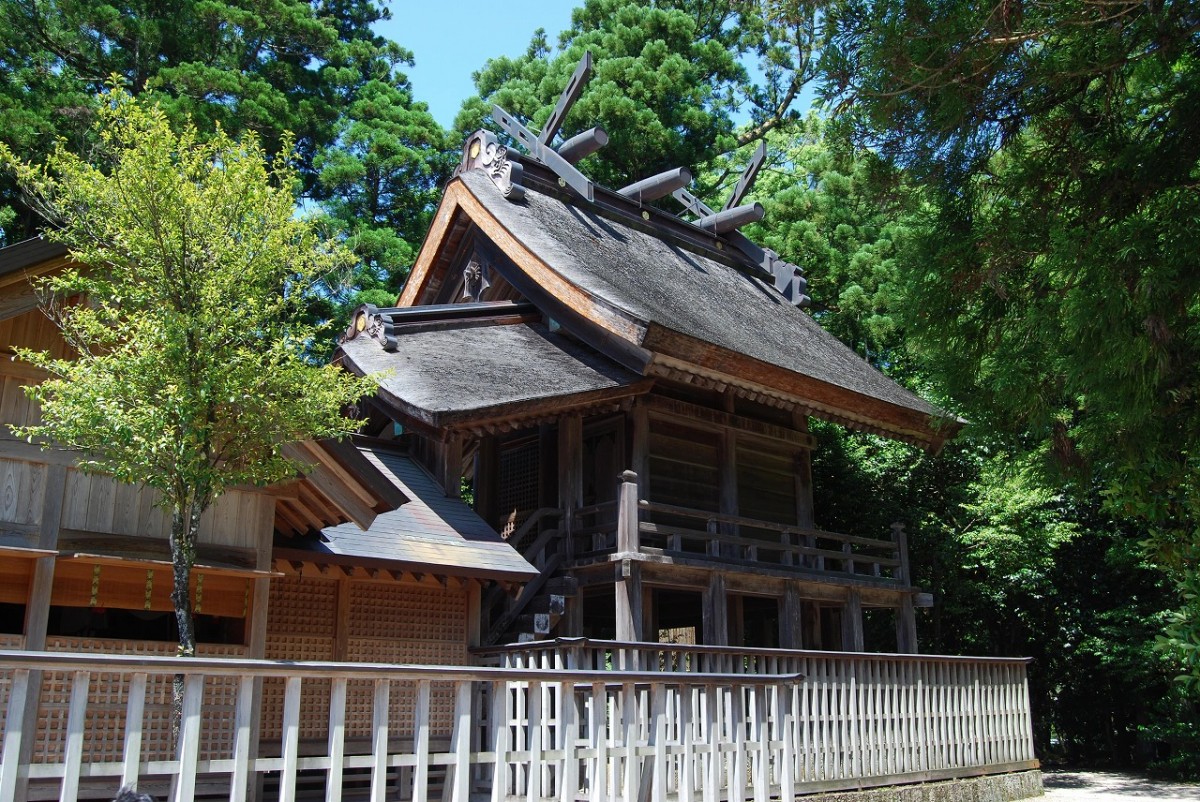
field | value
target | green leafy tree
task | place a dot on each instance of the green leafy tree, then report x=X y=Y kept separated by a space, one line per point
x=285 y=66
x=190 y=369
x=381 y=179
x=843 y=216
x=1051 y=285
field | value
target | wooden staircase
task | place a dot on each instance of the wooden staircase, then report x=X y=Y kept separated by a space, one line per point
x=535 y=611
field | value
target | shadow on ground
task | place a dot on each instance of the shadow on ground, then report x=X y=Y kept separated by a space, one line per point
x=1103 y=785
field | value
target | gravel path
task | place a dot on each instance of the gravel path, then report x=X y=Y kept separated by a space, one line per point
x=1106 y=786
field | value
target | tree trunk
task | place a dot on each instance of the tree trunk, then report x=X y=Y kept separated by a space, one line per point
x=185 y=529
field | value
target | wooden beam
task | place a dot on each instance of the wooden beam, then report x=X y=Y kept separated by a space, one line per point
x=12 y=448
x=325 y=480
x=19 y=301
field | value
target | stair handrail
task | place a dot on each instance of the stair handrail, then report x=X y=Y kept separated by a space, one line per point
x=527 y=594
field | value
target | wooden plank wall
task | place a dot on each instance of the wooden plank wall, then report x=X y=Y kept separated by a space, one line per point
x=100 y=504
x=93 y=503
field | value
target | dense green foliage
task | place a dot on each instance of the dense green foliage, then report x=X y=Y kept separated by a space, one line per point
x=311 y=71
x=191 y=368
x=1051 y=286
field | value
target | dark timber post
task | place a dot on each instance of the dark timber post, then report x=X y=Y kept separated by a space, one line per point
x=716 y=612
x=629 y=582
x=906 y=626
x=906 y=617
x=852 y=622
x=791 y=618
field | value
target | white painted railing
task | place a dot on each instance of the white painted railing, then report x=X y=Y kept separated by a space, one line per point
x=576 y=735
x=894 y=713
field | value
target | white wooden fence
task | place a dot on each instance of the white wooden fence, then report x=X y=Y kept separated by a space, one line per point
x=594 y=735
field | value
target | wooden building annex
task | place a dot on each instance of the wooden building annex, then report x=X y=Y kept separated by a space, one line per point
x=288 y=572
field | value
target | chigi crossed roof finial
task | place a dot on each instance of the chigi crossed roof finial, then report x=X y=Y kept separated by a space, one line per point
x=575 y=148
x=787 y=278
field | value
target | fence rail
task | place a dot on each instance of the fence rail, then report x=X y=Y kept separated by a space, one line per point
x=595 y=735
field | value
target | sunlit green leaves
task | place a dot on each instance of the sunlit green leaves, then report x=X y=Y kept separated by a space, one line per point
x=192 y=370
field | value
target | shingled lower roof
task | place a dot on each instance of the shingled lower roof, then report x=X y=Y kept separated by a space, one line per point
x=431 y=533
x=463 y=372
x=675 y=302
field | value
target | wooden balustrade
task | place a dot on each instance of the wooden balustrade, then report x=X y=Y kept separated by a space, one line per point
x=817 y=721
x=736 y=540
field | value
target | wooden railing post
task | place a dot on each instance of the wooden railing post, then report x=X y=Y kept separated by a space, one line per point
x=15 y=733
x=628 y=537
x=906 y=625
x=901 y=540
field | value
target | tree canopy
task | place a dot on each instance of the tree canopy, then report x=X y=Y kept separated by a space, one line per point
x=1051 y=286
x=313 y=75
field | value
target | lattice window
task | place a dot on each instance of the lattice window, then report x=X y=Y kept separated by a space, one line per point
x=407 y=612
x=303 y=604
x=517 y=491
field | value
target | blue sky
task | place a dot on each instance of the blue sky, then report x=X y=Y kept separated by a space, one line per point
x=450 y=39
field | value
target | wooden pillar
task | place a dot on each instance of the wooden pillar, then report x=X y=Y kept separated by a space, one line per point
x=900 y=538
x=547 y=448
x=628 y=534
x=474 y=613
x=487 y=474
x=37 y=611
x=727 y=477
x=791 y=618
x=629 y=598
x=570 y=475
x=716 y=612
x=450 y=461
x=906 y=626
x=571 y=623
x=639 y=445
x=256 y=630
x=852 y=623
x=804 y=480
x=735 y=620
x=813 y=630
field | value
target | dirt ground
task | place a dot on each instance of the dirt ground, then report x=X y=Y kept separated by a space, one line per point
x=1106 y=786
